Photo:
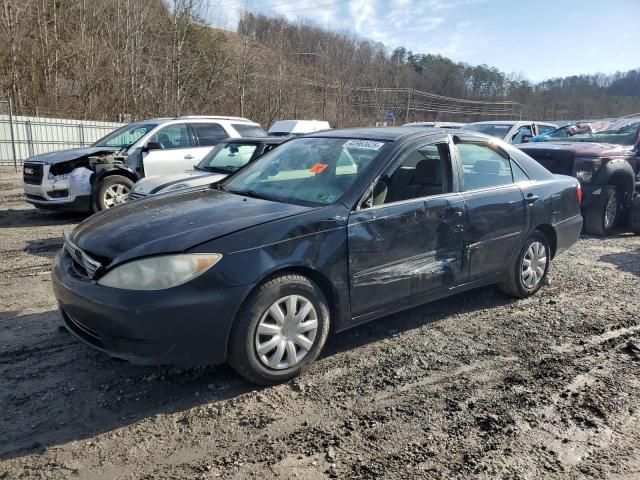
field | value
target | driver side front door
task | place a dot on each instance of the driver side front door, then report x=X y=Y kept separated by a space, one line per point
x=409 y=245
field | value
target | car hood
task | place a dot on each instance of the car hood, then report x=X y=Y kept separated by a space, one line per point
x=72 y=154
x=173 y=223
x=579 y=149
x=192 y=178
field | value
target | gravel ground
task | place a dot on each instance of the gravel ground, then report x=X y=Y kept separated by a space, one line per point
x=475 y=386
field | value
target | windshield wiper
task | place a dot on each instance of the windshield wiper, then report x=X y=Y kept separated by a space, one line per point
x=254 y=194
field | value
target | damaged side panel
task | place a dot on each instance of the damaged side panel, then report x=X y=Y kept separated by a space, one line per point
x=409 y=249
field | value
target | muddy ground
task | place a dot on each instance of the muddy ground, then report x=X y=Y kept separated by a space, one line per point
x=475 y=386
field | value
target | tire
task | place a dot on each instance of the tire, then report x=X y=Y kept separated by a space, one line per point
x=634 y=215
x=109 y=186
x=517 y=283
x=598 y=218
x=256 y=315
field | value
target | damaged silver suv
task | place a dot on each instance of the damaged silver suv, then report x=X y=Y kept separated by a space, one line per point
x=100 y=176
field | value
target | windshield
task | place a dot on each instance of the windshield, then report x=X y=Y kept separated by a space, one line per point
x=618 y=132
x=125 y=136
x=499 y=130
x=308 y=171
x=227 y=157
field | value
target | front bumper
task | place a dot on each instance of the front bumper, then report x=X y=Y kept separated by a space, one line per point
x=186 y=325
x=69 y=194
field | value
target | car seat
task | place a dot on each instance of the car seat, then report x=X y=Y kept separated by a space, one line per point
x=426 y=181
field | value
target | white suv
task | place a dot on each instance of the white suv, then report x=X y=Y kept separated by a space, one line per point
x=69 y=180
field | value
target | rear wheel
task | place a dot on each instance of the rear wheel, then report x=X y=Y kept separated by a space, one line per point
x=530 y=269
x=279 y=331
x=601 y=216
x=112 y=191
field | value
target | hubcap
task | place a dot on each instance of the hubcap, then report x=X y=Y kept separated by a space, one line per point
x=534 y=264
x=286 y=332
x=611 y=211
x=115 y=195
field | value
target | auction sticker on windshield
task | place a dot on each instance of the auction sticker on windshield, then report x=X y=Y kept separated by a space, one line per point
x=363 y=144
x=318 y=167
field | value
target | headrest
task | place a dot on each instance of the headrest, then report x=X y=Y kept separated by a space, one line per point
x=428 y=172
x=487 y=166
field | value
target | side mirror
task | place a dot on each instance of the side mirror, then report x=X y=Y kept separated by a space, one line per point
x=525 y=138
x=154 y=146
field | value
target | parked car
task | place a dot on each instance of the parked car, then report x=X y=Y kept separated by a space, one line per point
x=604 y=156
x=100 y=176
x=451 y=125
x=322 y=233
x=511 y=131
x=296 y=128
x=225 y=158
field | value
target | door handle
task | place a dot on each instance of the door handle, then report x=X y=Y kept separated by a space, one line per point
x=188 y=156
x=531 y=198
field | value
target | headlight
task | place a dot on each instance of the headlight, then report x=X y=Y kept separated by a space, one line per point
x=159 y=273
x=587 y=167
x=177 y=186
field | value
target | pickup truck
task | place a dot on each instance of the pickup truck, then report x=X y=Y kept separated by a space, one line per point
x=605 y=157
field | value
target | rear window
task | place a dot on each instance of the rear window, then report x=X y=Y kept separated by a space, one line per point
x=249 y=130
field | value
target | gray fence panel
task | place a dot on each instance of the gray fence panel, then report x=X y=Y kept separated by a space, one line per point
x=36 y=135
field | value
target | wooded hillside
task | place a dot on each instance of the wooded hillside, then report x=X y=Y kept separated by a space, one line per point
x=127 y=59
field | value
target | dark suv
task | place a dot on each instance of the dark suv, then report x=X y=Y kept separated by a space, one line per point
x=604 y=156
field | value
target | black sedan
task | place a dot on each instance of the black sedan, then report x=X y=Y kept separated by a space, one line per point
x=323 y=233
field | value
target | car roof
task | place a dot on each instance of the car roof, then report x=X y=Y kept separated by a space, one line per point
x=269 y=140
x=499 y=122
x=377 y=133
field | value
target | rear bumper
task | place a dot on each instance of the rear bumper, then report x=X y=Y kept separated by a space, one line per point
x=567 y=233
x=186 y=325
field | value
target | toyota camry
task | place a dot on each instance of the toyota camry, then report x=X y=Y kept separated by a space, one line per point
x=321 y=234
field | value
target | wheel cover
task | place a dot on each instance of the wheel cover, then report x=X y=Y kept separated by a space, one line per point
x=611 y=211
x=286 y=332
x=115 y=195
x=534 y=264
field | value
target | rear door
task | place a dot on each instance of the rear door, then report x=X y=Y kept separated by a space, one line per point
x=407 y=243
x=176 y=154
x=206 y=136
x=497 y=218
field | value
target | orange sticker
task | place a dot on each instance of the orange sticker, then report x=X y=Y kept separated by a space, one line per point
x=318 y=167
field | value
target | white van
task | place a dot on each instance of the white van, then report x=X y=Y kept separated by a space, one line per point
x=295 y=128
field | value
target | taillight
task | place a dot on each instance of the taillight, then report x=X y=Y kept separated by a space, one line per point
x=579 y=193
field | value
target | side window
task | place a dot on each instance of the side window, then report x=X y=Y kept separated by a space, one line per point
x=483 y=167
x=545 y=129
x=209 y=134
x=173 y=136
x=519 y=174
x=424 y=172
x=522 y=131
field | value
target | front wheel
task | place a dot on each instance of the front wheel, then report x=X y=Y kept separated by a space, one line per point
x=600 y=217
x=530 y=269
x=112 y=191
x=280 y=330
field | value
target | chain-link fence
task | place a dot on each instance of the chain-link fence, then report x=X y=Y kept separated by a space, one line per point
x=23 y=136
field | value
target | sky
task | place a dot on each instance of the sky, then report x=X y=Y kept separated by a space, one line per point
x=539 y=38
